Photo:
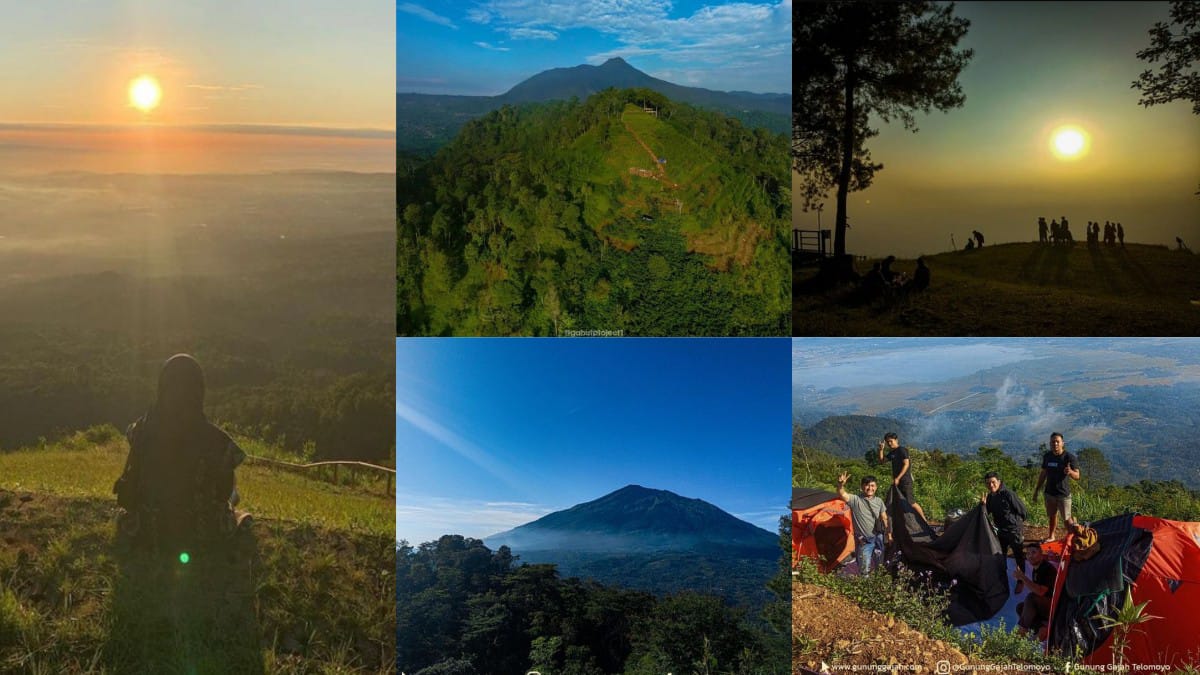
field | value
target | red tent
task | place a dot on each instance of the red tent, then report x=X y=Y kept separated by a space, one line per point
x=1160 y=561
x=822 y=528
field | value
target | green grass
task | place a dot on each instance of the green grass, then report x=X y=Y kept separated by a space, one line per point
x=310 y=590
x=1022 y=289
x=266 y=492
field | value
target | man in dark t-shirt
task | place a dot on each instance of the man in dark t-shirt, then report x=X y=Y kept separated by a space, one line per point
x=1035 y=610
x=1057 y=466
x=901 y=468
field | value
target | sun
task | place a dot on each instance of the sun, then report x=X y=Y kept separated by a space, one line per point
x=144 y=93
x=1069 y=142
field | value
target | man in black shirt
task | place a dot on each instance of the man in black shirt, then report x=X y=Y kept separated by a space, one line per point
x=1008 y=515
x=1057 y=466
x=1035 y=610
x=901 y=468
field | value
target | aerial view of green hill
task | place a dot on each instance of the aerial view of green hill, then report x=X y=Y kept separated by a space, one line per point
x=627 y=212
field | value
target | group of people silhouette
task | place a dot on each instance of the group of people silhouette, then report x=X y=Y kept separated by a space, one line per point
x=1060 y=233
x=884 y=282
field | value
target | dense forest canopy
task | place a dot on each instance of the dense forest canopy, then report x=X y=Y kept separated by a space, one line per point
x=462 y=608
x=624 y=212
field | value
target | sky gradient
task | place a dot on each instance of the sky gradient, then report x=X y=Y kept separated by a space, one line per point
x=66 y=66
x=494 y=433
x=988 y=165
x=483 y=48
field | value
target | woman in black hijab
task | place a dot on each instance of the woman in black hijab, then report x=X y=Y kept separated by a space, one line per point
x=178 y=485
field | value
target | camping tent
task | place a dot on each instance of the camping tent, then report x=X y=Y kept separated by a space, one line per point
x=822 y=528
x=966 y=558
x=1160 y=560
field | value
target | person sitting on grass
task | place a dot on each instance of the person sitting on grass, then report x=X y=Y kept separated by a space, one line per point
x=177 y=489
x=869 y=517
x=1034 y=611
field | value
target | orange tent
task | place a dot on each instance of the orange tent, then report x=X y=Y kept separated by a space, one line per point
x=822 y=528
x=1159 y=560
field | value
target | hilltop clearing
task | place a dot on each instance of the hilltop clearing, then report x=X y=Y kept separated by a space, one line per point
x=310 y=588
x=1020 y=289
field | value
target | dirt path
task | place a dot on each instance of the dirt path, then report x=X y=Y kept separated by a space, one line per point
x=660 y=169
x=830 y=629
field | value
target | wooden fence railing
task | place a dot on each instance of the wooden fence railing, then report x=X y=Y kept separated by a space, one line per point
x=354 y=464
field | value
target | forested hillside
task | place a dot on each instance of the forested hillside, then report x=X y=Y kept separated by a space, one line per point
x=462 y=608
x=559 y=216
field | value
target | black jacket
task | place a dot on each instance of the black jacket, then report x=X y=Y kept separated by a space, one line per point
x=1007 y=510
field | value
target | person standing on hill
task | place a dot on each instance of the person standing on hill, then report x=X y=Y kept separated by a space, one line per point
x=1043 y=236
x=902 y=480
x=978 y=238
x=869 y=516
x=1057 y=466
x=1008 y=514
x=1121 y=235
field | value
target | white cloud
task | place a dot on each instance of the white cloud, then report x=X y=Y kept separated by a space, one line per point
x=735 y=38
x=492 y=47
x=420 y=519
x=531 y=34
x=421 y=12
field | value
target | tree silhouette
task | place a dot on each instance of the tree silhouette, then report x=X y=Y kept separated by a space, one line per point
x=1176 y=78
x=854 y=59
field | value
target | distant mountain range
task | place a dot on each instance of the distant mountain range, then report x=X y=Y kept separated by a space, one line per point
x=425 y=122
x=652 y=540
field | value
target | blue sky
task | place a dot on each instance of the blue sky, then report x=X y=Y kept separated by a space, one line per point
x=494 y=433
x=484 y=47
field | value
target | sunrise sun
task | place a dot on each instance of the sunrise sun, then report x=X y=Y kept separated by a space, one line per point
x=1069 y=142
x=144 y=93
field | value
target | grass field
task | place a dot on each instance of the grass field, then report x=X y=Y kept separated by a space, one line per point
x=1019 y=290
x=310 y=589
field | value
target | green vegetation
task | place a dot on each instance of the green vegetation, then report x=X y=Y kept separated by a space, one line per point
x=462 y=608
x=551 y=217
x=1019 y=289
x=311 y=589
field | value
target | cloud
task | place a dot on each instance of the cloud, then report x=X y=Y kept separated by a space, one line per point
x=422 y=13
x=420 y=519
x=494 y=48
x=465 y=448
x=531 y=34
x=224 y=87
x=732 y=38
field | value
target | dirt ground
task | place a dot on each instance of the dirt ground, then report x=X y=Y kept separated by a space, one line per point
x=828 y=628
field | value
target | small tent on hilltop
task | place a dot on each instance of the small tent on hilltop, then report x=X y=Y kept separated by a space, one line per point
x=822 y=528
x=1159 y=560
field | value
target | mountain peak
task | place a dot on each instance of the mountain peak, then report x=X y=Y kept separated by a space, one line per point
x=636 y=518
x=616 y=61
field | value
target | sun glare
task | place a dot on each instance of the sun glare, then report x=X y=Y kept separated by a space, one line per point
x=144 y=93
x=1069 y=142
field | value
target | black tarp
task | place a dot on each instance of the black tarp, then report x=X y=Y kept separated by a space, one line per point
x=966 y=553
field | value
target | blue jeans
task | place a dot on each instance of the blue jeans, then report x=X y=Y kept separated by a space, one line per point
x=864 y=552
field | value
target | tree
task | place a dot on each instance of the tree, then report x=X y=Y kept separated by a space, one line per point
x=852 y=60
x=1095 y=471
x=1176 y=79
